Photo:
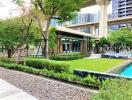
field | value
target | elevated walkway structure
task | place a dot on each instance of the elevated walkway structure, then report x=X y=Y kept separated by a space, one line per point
x=115 y=21
x=103 y=5
x=94 y=25
x=90 y=3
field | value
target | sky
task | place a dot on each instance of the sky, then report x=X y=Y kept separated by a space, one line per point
x=95 y=8
x=9 y=9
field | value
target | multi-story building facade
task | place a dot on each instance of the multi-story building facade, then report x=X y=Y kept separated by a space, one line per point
x=79 y=19
x=121 y=8
x=84 y=18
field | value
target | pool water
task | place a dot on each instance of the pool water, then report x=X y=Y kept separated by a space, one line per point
x=127 y=71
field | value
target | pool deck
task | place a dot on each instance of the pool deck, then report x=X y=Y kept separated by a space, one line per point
x=10 y=92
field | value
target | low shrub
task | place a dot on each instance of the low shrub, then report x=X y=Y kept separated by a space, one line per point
x=6 y=60
x=47 y=64
x=20 y=68
x=117 y=89
x=92 y=80
x=51 y=73
x=68 y=57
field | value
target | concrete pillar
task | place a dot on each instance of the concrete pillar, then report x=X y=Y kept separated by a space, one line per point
x=93 y=30
x=103 y=28
x=83 y=46
x=59 y=45
x=70 y=48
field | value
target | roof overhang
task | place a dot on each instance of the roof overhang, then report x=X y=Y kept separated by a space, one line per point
x=74 y=32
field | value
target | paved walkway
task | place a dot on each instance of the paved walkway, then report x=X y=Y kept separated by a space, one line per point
x=10 y=92
x=45 y=89
x=94 y=56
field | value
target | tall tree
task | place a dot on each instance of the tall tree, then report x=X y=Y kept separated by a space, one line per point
x=9 y=35
x=120 y=37
x=102 y=43
x=64 y=9
x=12 y=35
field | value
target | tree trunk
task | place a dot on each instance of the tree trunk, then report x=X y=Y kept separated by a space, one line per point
x=27 y=48
x=44 y=33
x=46 y=36
x=9 y=52
x=52 y=51
x=46 y=48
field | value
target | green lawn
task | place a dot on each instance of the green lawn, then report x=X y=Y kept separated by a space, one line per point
x=100 y=65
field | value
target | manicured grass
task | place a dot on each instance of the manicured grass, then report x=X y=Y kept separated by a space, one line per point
x=100 y=65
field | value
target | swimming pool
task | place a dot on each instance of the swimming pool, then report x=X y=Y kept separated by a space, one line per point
x=126 y=71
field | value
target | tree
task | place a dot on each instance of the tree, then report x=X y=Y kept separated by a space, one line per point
x=12 y=35
x=9 y=35
x=64 y=9
x=30 y=31
x=52 y=38
x=120 y=37
x=102 y=43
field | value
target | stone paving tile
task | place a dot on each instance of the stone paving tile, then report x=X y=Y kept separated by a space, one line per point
x=10 y=92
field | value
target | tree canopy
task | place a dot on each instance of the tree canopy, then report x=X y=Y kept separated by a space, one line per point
x=123 y=36
x=64 y=9
x=13 y=34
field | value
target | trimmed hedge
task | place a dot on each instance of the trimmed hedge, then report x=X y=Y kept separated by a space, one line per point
x=89 y=81
x=47 y=64
x=69 y=57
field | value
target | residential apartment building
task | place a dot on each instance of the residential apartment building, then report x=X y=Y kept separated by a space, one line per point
x=121 y=8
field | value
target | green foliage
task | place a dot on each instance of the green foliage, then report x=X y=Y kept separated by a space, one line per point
x=103 y=41
x=122 y=36
x=14 y=34
x=91 y=81
x=52 y=37
x=119 y=89
x=20 y=68
x=6 y=60
x=68 y=57
x=9 y=33
x=47 y=64
x=62 y=8
x=30 y=30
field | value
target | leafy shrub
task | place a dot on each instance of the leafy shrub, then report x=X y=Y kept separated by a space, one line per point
x=51 y=73
x=37 y=63
x=117 y=89
x=68 y=57
x=19 y=68
x=6 y=60
x=92 y=80
x=48 y=64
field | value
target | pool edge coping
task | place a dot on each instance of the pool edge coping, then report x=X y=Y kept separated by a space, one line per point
x=119 y=67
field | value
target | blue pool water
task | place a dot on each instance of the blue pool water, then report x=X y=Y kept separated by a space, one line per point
x=127 y=71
